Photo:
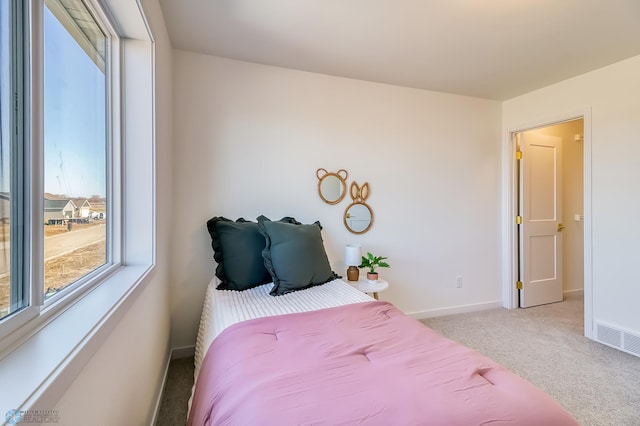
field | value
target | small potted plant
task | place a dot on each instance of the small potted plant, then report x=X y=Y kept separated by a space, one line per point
x=372 y=262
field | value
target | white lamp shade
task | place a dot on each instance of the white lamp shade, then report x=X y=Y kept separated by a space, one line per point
x=352 y=255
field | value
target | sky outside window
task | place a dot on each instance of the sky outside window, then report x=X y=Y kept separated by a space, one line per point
x=74 y=116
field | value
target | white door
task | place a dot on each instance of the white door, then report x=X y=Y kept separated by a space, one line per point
x=541 y=211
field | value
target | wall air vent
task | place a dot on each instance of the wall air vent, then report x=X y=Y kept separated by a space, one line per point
x=619 y=339
x=609 y=335
x=632 y=344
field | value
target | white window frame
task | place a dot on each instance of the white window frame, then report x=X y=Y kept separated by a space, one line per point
x=74 y=332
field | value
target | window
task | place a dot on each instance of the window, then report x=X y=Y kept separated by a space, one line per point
x=55 y=154
x=74 y=145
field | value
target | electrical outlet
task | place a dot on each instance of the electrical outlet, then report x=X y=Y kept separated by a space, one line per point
x=459 y=281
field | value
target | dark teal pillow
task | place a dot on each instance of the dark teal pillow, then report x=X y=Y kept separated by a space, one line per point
x=237 y=249
x=294 y=255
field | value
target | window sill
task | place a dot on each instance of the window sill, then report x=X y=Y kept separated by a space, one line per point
x=38 y=371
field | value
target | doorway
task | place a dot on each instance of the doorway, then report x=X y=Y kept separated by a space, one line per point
x=549 y=216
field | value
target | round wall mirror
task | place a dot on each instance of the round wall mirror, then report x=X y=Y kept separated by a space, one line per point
x=332 y=187
x=358 y=218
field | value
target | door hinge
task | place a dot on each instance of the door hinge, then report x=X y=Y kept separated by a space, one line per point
x=519 y=285
x=518 y=220
x=518 y=155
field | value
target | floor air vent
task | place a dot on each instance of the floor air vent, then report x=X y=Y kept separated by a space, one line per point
x=619 y=339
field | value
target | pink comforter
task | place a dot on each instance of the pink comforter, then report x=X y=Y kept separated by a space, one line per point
x=362 y=363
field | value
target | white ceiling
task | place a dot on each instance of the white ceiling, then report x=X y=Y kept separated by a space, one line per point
x=493 y=49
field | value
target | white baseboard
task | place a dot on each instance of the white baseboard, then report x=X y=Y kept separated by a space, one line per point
x=156 y=409
x=575 y=290
x=431 y=313
x=184 y=352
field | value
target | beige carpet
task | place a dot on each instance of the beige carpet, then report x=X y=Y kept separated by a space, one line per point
x=598 y=385
x=177 y=390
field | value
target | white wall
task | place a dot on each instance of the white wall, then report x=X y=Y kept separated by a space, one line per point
x=249 y=139
x=121 y=382
x=612 y=94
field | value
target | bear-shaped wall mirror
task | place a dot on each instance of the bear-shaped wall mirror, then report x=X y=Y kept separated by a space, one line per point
x=332 y=187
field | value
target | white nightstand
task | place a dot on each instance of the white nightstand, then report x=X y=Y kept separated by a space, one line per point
x=364 y=286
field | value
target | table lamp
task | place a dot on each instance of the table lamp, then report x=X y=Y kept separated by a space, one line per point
x=352 y=260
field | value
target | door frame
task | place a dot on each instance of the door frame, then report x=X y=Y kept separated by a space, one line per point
x=509 y=209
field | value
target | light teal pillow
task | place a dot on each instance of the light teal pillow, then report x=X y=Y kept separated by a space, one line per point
x=294 y=255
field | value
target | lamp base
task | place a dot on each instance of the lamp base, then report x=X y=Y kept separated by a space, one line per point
x=353 y=273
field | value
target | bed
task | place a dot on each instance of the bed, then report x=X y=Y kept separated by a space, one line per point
x=333 y=355
x=284 y=341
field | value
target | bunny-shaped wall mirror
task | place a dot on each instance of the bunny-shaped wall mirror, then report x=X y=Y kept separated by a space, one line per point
x=332 y=187
x=358 y=216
